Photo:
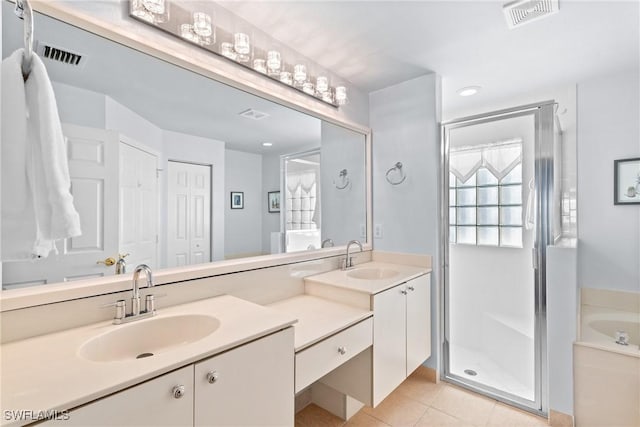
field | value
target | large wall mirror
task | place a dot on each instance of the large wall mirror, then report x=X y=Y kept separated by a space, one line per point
x=175 y=169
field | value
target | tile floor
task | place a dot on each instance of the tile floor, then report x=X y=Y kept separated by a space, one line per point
x=422 y=403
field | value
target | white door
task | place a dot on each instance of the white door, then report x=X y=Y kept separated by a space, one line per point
x=93 y=168
x=390 y=338
x=418 y=321
x=138 y=205
x=189 y=214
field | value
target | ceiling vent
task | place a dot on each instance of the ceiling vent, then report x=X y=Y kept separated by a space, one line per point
x=59 y=55
x=253 y=114
x=522 y=12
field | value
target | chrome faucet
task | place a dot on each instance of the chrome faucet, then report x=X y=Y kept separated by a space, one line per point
x=348 y=261
x=327 y=243
x=121 y=264
x=149 y=301
x=135 y=299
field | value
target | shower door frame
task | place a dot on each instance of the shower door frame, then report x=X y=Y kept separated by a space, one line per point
x=543 y=175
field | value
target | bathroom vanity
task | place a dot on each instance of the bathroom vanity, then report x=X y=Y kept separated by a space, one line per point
x=227 y=361
x=237 y=367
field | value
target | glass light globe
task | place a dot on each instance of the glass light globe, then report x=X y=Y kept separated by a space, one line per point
x=202 y=24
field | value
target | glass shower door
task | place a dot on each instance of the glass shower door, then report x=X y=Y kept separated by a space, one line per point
x=494 y=305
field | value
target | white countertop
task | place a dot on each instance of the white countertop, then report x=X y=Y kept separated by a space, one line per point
x=318 y=318
x=341 y=279
x=46 y=373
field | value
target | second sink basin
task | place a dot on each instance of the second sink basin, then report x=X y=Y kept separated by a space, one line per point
x=372 y=273
x=148 y=337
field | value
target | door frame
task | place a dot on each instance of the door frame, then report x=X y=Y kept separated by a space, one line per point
x=543 y=113
x=124 y=139
x=211 y=228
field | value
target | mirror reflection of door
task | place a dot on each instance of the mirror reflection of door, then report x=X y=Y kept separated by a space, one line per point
x=302 y=222
x=93 y=169
x=189 y=214
x=138 y=204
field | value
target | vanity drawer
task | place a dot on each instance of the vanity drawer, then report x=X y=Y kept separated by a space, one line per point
x=321 y=358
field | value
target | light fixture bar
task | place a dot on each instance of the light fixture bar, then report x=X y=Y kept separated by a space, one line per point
x=215 y=29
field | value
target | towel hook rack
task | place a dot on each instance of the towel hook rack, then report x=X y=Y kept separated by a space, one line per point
x=397 y=167
x=345 y=180
x=24 y=11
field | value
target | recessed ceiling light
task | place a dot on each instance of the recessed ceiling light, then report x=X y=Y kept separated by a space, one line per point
x=267 y=144
x=468 y=91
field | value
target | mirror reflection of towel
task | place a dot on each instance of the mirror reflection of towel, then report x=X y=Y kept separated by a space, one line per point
x=36 y=205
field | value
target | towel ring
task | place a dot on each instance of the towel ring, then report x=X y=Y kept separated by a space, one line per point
x=23 y=11
x=396 y=167
x=345 y=180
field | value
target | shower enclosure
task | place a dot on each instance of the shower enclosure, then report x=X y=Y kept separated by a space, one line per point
x=497 y=200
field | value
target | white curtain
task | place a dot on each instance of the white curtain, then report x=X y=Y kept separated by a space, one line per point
x=301 y=200
x=500 y=158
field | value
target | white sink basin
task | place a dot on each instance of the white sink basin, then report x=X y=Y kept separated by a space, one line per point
x=146 y=338
x=372 y=273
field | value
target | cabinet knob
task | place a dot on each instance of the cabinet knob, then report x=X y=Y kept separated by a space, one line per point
x=178 y=391
x=342 y=349
x=403 y=291
x=212 y=377
x=411 y=288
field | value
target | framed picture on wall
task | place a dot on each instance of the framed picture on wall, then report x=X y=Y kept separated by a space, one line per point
x=626 y=181
x=237 y=200
x=273 y=201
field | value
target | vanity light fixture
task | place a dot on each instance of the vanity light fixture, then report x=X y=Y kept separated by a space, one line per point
x=468 y=91
x=212 y=27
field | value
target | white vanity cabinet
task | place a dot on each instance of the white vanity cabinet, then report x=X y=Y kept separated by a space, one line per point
x=401 y=333
x=163 y=401
x=248 y=385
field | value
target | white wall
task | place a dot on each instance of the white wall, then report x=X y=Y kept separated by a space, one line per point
x=608 y=129
x=270 y=182
x=405 y=122
x=344 y=212
x=243 y=227
x=194 y=149
x=125 y=121
x=80 y=106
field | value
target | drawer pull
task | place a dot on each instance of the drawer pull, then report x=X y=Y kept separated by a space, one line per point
x=403 y=291
x=411 y=288
x=178 y=391
x=212 y=377
x=342 y=350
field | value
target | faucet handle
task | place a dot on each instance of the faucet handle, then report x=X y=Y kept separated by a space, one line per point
x=150 y=302
x=121 y=308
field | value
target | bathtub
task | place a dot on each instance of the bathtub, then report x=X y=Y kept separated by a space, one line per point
x=607 y=374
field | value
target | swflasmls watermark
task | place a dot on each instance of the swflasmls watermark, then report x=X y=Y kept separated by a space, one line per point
x=35 y=415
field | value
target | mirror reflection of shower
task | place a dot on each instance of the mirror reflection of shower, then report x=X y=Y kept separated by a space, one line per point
x=301 y=214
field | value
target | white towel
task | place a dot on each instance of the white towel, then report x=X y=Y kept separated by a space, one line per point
x=530 y=214
x=45 y=160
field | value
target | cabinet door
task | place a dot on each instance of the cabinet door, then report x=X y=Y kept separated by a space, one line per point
x=418 y=321
x=148 y=404
x=389 y=341
x=253 y=384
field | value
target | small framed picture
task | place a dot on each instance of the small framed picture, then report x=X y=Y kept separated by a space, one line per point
x=237 y=200
x=273 y=201
x=626 y=181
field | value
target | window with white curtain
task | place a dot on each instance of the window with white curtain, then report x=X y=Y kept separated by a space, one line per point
x=485 y=195
x=301 y=192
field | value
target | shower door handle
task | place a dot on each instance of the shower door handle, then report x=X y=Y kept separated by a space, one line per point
x=534 y=258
